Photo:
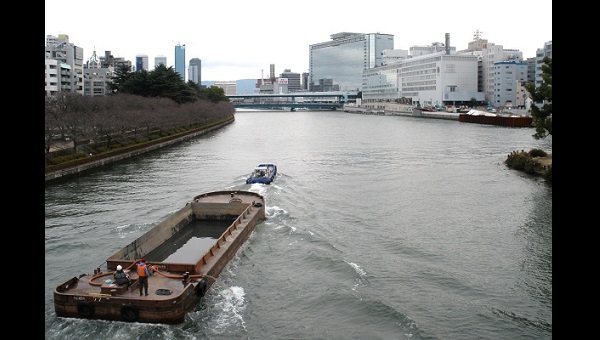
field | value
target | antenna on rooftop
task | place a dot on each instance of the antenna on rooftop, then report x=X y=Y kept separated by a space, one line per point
x=477 y=35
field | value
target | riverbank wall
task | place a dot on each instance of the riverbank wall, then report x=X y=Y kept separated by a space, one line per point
x=71 y=171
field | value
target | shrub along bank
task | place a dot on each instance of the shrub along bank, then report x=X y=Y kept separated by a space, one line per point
x=536 y=162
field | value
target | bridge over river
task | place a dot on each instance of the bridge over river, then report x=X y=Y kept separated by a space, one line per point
x=293 y=101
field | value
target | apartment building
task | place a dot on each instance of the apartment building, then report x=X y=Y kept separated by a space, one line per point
x=59 y=77
x=492 y=54
x=65 y=53
x=96 y=77
x=508 y=79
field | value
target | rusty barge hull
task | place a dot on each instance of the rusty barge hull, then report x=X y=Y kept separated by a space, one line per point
x=175 y=288
x=512 y=121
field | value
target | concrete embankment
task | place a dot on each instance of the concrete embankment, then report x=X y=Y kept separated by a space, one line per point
x=53 y=175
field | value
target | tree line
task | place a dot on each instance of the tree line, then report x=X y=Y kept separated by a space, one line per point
x=138 y=103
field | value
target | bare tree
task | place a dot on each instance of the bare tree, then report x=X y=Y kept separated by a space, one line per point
x=94 y=119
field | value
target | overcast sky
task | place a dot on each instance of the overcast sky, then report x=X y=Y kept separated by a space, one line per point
x=240 y=39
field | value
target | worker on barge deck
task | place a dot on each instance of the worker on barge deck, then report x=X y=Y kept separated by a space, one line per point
x=121 y=277
x=143 y=274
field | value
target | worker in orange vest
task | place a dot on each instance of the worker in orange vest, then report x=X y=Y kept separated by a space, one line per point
x=143 y=272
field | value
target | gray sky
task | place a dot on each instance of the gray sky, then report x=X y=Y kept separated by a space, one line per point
x=238 y=39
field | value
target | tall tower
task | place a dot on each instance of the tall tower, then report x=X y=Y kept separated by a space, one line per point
x=141 y=62
x=160 y=59
x=180 y=60
x=195 y=71
x=272 y=73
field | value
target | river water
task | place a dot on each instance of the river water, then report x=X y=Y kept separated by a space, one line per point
x=378 y=227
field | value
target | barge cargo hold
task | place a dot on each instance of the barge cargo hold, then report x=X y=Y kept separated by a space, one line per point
x=182 y=272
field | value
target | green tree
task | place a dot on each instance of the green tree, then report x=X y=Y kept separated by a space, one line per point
x=199 y=90
x=162 y=82
x=473 y=102
x=542 y=95
x=215 y=94
x=120 y=76
x=195 y=86
x=165 y=82
x=137 y=83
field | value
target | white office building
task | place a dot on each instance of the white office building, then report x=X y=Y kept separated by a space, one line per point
x=229 y=87
x=441 y=76
x=427 y=80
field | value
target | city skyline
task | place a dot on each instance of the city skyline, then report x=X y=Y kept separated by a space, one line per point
x=247 y=37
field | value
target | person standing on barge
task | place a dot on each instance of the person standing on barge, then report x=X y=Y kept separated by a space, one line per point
x=143 y=273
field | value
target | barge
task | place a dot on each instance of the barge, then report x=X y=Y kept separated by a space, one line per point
x=217 y=223
x=482 y=117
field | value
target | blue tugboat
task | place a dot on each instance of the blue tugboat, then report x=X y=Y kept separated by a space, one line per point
x=263 y=173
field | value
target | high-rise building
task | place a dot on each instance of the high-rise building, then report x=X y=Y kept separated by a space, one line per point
x=141 y=62
x=305 y=81
x=180 y=60
x=293 y=80
x=160 y=59
x=343 y=59
x=195 y=70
